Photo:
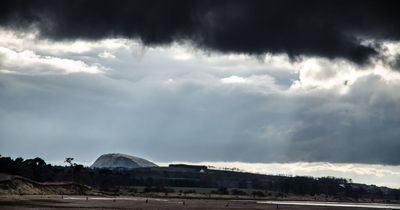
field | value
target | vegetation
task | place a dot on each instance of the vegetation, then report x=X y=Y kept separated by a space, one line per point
x=191 y=179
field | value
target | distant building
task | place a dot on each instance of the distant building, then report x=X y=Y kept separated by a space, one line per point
x=189 y=167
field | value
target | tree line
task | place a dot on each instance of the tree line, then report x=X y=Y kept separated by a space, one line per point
x=154 y=178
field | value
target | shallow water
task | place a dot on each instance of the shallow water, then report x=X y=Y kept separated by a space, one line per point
x=296 y=203
x=334 y=204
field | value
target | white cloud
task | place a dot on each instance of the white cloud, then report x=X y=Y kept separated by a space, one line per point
x=233 y=80
x=106 y=54
x=30 y=40
x=340 y=74
x=28 y=62
x=26 y=53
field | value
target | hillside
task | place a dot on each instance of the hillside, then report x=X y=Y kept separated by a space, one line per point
x=118 y=160
x=11 y=184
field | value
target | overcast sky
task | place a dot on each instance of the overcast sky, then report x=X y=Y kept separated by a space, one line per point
x=243 y=82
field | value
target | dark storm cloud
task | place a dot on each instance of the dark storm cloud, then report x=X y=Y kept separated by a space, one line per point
x=299 y=27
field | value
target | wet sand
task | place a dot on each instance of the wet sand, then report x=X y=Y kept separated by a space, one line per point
x=139 y=203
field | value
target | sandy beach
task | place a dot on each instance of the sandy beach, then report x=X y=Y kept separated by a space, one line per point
x=140 y=203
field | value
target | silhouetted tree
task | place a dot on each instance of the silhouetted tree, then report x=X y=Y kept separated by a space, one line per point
x=19 y=160
x=77 y=169
x=69 y=161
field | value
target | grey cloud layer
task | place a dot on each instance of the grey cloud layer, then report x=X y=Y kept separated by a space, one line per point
x=296 y=27
x=186 y=113
x=360 y=126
